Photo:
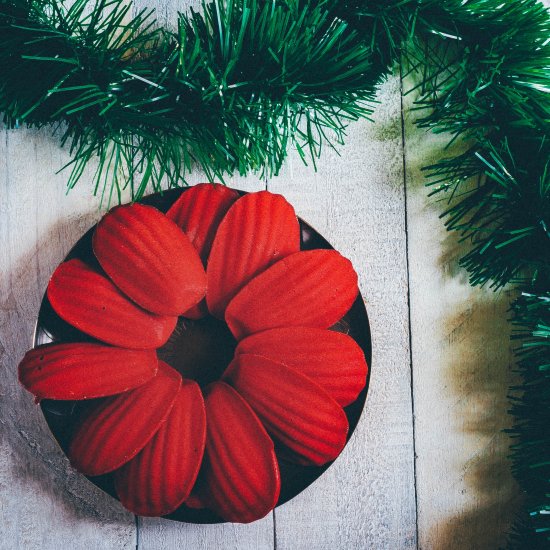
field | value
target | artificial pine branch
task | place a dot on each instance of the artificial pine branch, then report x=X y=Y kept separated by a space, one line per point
x=506 y=213
x=531 y=409
x=485 y=69
x=229 y=91
x=239 y=83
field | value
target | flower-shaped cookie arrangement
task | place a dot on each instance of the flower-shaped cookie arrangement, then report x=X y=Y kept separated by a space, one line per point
x=167 y=439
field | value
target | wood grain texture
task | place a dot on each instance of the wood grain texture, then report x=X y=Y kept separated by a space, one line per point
x=160 y=534
x=366 y=499
x=45 y=504
x=467 y=496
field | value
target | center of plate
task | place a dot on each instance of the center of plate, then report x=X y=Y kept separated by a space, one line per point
x=200 y=349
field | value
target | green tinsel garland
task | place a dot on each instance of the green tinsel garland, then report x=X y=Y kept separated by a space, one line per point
x=239 y=83
x=230 y=90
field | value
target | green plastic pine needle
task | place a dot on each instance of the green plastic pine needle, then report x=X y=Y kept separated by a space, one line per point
x=238 y=84
x=230 y=91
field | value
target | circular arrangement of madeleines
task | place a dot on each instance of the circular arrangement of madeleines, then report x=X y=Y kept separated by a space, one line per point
x=206 y=354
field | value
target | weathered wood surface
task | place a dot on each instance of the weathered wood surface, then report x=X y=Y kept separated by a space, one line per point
x=466 y=494
x=368 y=498
x=43 y=502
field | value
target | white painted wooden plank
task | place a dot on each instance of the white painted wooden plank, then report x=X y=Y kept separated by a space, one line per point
x=44 y=503
x=460 y=349
x=354 y=514
x=161 y=534
x=366 y=499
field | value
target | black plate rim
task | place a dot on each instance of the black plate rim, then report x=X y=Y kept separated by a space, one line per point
x=162 y=201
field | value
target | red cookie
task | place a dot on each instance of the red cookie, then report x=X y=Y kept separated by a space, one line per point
x=84 y=371
x=150 y=259
x=307 y=289
x=93 y=304
x=259 y=230
x=242 y=474
x=295 y=410
x=121 y=426
x=161 y=476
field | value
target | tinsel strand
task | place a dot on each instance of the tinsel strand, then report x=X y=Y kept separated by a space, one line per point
x=242 y=81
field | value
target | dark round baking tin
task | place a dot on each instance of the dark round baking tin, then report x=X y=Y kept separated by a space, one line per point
x=64 y=416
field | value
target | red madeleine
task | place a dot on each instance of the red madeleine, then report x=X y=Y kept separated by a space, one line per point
x=121 y=426
x=150 y=259
x=199 y=211
x=258 y=230
x=310 y=289
x=332 y=359
x=295 y=410
x=162 y=475
x=93 y=304
x=242 y=478
x=84 y=371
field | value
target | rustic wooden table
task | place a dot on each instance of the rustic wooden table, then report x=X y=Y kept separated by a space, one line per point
x=427 y=466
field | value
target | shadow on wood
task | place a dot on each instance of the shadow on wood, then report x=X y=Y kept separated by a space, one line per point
x=478 y=376
x=462 y=367
x=29 y=454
